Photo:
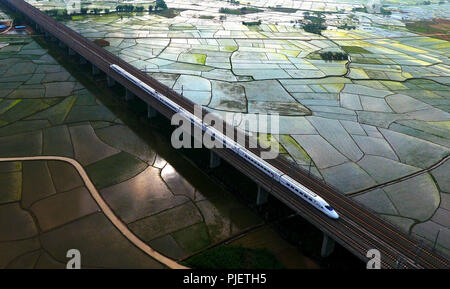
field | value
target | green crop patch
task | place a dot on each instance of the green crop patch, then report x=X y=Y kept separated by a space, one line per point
x=355 y=49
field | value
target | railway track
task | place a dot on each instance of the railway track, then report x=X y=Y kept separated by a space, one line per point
x=349 y=208
x=357 y=229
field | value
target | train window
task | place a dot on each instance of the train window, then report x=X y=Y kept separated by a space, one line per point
x=329 y=208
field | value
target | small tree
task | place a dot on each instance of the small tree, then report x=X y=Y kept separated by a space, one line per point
x=315 y=23
x=83 y=11
x=130 y=8
x=150 y=9
x=97 y=11
x=160 y=4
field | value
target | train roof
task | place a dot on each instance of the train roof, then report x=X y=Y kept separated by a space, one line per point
x=308 y=191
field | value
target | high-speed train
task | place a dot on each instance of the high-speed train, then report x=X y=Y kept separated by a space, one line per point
x=278 y=176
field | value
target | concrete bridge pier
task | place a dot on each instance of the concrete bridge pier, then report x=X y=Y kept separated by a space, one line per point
x=214 y=160
x=262 y=196
x=327 y=246
x=129 y=95
x=111 y=82
x=95 y=70
x=151 y=112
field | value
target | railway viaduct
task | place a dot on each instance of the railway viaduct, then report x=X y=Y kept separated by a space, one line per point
x=357 y=229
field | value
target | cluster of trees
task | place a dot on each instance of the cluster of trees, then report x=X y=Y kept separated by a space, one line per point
x=59 y=14
x=329 y=55
x=314 y=23
x=283 y=9
x=385 y=11
x=229 y=11
x=96 y=11
x=160 y=4
x=252 y=23
x=119 y=8
x=243 y=10
x=62 y=13
x=347 y=27
x=56 y=12
x=129 y=8
x=125 y=8
x=234 y=2
x=429 y=2
x=364 y=9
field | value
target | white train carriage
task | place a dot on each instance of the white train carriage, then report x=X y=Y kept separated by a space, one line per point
x=215 y=135
x=261 y=164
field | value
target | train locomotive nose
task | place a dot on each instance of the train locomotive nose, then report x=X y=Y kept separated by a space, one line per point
x=331 y=212
x=333 y=215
